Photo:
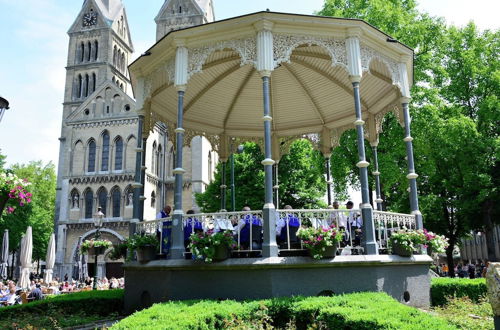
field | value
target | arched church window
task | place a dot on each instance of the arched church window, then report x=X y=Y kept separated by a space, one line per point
x=121 y=86
x=118 y=154
x=114 y=55
x=86 y=86
x=80 y=86
x=159 y=162
x=92 y=152
x=82 y=52
x=180 y=9
x=89 y=53
x=172 y=160
x=89 y=204
x=123 y=62
x=153 y=200
x=116 y=199
x=102 y=197
x=154 y=154
x=96 y=52
x=105 y=152
x=94 y=82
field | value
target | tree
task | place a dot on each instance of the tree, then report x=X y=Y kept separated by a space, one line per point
x=301 y=177
x=455 y=120
x=39 y=213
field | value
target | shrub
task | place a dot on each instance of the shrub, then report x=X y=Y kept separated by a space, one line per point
x=444 y=287
x=351 y=311
x=465 y=314
x=89 y=305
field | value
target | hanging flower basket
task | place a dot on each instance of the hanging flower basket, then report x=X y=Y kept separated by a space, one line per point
x=321 y=242
x=95 y=246
x=13 y=192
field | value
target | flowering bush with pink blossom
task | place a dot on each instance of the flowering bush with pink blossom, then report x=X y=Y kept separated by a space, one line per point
x=13 y=192
x=204 y=245
x=316 y=240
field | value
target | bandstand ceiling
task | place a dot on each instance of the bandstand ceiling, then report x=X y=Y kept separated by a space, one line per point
x=310 y=91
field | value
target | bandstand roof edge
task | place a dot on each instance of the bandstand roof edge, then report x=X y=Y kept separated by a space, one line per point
x=310 y=87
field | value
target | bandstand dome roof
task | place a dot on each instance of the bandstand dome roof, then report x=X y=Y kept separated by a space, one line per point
x=311 y=91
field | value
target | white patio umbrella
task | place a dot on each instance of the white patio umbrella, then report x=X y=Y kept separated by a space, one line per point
x=4 y=256
x=50 y=259
x=26 y=252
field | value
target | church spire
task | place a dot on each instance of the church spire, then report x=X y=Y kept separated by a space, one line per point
x=180 y=14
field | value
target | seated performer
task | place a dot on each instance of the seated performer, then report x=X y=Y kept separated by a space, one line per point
x=246 y=224
x=287 y=227
x=192 y=225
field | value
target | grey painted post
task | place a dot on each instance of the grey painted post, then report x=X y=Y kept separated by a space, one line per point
x=376 y=174
x=142 y=198
x=276 y=186
x=269 y=248
x=181 y=80
x=369 y=242
x=328 y=179
x=177 y=248
x=233 y=192
x=138 y=166
x=223 y=188
x=412 y=176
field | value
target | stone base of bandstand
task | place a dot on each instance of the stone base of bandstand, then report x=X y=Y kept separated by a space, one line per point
x=405 y=279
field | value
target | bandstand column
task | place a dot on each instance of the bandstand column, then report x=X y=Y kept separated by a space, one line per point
x=265 y=65
x=412 y=175
x=276 y=186
x=223 y=187
x=355 y=71
x=137 y=214
x=329 y=181
x=376 y=174
x=181 y=72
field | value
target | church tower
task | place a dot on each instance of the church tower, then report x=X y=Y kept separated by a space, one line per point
x=179 y=14
x=98 y=136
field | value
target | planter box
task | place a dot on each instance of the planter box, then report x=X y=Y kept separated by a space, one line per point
x=146 y=253
x=221 y=253
x=400 y=251
x=329 y=253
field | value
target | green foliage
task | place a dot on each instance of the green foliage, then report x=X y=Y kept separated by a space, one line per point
x=119 y=251
x=95 y=243
x=443 y=288
x=301 y=179
x=139 y=241
x=39 y=213
x=351 y=311
x=316 y=240
x=64 y=310
x=467 y=314
x=204 y=245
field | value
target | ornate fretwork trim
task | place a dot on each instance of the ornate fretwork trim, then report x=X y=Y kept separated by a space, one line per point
x=114 y=223
x=368 y=54
x=284 y=44
x=246 y=48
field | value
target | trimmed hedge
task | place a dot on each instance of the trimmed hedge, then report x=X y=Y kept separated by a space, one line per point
x=81 y=305
x=352 y=311
x=443 y=287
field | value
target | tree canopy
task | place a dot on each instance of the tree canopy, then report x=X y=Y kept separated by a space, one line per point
x=455 y=119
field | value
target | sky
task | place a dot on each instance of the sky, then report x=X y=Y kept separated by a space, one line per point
x=33 y=55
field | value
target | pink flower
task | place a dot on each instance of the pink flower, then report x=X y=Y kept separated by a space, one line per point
x=10 y=209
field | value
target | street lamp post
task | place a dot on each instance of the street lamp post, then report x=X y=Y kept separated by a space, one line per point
x=4 y=105
x=98 y=221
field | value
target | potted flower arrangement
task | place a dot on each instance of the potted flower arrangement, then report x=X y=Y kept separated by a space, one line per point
x=212 y=246
x=146 y=247
x=435 y=243
x=405 y=242
x=13 y=192
x=95 y=246
x=321 y=242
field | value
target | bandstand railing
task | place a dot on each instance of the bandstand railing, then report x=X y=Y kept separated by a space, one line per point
x=247 y=226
